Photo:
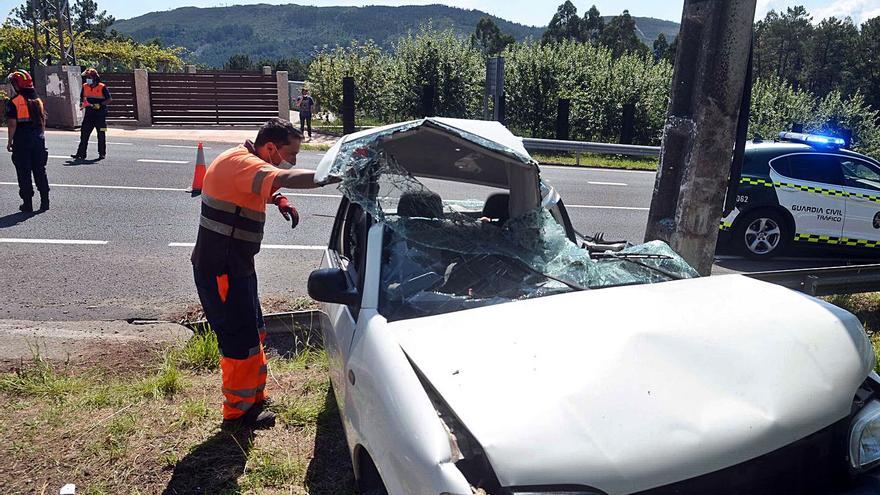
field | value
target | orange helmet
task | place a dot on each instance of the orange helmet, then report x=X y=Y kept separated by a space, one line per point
x=91 y=72
x=21 y=79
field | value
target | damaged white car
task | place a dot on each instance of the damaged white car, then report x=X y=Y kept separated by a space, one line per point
x=478 y=344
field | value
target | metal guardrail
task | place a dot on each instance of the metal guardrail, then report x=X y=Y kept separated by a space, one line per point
x=825 y=281
x=590 y=147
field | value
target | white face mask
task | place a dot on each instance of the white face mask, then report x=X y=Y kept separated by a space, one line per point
x=89 y=81
x=284 y=164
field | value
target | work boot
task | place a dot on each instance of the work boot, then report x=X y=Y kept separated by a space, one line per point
x=44 y=203
x=256 y=418
x=26 y=206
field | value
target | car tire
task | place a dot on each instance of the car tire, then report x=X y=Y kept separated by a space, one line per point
x=761 y=234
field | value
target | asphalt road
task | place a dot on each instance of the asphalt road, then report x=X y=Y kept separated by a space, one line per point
x=116 y=242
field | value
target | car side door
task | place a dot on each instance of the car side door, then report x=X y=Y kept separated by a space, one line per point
x=810 y=187
x=862 y=183
x=346 y=251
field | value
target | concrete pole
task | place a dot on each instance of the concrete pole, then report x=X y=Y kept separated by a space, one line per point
x=699 y=134
x=283 y=94
x=142 y=95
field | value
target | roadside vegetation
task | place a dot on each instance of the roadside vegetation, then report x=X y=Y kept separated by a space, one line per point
x=154 y=428
x=600 y=66
x=866 y=307
x=597 y=160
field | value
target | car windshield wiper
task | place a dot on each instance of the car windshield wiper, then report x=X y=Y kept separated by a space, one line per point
x=635 y=257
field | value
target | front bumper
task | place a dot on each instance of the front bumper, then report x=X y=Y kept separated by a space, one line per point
x=864 y=484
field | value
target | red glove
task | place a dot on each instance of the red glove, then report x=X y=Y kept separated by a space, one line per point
x=286 y=209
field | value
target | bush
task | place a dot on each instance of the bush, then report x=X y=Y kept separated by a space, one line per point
x=389 y=88
x=438 y=58
x=776 y=106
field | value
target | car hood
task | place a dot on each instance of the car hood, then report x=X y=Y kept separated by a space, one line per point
x=629 y=388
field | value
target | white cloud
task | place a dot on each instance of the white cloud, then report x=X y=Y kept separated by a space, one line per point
x=858 y=10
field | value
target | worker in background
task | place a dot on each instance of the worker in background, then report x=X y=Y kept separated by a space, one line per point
x=26 y=123
x=305 y=104
x=236 y=189
x=94 y=99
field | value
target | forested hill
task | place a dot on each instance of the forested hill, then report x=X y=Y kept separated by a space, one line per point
x=274 y=31
x=648 y=28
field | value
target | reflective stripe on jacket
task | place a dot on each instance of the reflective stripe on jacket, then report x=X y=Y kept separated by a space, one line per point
x=236 y=188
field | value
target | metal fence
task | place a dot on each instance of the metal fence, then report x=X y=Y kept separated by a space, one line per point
x=578 y=147
x=213 y=98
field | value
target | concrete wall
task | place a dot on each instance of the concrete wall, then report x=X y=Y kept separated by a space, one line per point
x=142 y=93
x=283 y=94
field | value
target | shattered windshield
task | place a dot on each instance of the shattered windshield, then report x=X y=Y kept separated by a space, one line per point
x=447 y=254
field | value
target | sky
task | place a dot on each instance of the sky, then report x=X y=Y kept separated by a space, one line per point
x=530 y=12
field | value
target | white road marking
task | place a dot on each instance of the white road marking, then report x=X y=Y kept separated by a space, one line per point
x=51 y=241
x=150 y=160
x=293 y=247
x=169 y=189
x=121 y=144
x=596 y=169
x=182 y=146
x=86 y=186
x=606 y=183
x=597 y=207
x=61 y=157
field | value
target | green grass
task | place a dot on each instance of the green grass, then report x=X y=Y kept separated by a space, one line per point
x=271 y=469
x=314 y=147
x=866 y=307
x=306 y=359
x=600 y=161
x=201 y=352
x=40 y=379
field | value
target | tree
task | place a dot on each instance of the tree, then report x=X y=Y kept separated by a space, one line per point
x=592 y=25
x=620 y=36
x=489 y=39
x=565 y=25
x=239 y=62
x=660 y=48
x=833 y=51
x=87 y=19
x=673 y=49
x=781 y=45
x=869 y=62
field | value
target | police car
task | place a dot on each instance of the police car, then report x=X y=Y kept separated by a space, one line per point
x=804 y=190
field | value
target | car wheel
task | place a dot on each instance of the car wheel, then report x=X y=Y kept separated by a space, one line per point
x=762 y=235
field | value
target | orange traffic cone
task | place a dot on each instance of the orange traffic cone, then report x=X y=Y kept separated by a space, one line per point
x=199 y=173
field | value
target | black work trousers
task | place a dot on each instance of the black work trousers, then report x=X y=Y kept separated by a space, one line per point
x=29 y=155
x=305 y=119
x=93 y=119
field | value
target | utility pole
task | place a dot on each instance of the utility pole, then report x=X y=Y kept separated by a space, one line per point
x=699 y=134
x=45 y=13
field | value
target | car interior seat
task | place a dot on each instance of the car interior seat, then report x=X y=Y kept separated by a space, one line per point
x=497 y=207
x=420 y=204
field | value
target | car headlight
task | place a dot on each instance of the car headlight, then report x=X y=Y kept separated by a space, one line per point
x=864 y=437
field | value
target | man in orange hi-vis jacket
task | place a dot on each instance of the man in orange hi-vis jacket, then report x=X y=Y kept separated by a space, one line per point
x=236 y=189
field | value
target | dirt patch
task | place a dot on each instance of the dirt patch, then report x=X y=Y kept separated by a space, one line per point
x=153 y=429
x=106 y=343
x=270 y=304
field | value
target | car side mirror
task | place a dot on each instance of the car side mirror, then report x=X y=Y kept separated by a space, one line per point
x=330 y=285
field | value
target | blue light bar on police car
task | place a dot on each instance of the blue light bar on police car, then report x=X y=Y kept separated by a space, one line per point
x=812 y=139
